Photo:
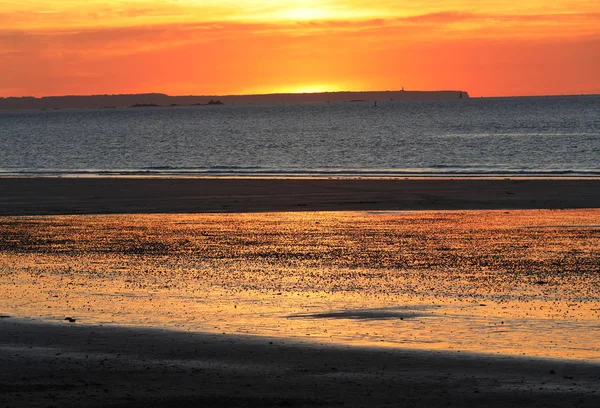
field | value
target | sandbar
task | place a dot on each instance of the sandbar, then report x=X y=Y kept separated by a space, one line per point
x=39 y=196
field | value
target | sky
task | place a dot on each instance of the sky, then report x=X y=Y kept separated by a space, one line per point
x=218 y=47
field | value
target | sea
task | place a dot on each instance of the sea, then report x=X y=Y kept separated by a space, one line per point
x=526 y=136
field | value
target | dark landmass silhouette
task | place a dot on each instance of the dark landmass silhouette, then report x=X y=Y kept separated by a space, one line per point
x=158 y=99
x=144 y=105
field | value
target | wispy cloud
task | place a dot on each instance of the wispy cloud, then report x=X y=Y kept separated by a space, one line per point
x=190 y=46
x=35 y=14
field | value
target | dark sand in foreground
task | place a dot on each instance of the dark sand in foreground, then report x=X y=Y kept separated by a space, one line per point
x=38 y=196
x=72 y=365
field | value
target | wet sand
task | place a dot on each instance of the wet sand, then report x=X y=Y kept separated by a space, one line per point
x=510 y=282
x=31 y=196
x=303 y=309
x=345 y=309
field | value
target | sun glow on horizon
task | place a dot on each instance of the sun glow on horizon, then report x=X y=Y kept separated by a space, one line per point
x=309 y=88
x=300 y=88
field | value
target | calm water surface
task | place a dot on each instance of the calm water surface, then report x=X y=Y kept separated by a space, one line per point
x=541 y=136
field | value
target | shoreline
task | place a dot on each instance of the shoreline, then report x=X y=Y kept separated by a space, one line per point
x=260 y=176
x=111 y=195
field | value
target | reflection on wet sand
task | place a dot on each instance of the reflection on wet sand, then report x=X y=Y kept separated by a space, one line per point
x=453 y=280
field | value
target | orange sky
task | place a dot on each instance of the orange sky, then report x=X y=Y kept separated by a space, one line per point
x=486 y=47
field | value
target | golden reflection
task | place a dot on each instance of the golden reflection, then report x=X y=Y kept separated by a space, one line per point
x=516 y=282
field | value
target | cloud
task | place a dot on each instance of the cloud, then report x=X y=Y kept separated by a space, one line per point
x=98 y=43
x=229 y=56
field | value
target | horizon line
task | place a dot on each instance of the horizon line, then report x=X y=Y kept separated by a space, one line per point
x=303 y=93
x=239 y=94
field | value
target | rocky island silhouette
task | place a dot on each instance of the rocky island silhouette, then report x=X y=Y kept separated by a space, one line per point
x=159 y=99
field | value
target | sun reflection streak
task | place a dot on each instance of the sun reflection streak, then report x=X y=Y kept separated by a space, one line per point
x=486 y=281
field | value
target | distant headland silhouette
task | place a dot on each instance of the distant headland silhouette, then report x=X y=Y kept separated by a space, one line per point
x=159 y=99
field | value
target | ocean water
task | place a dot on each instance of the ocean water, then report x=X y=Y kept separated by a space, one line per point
x=543 y=136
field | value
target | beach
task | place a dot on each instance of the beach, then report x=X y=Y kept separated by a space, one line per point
x=299 y=292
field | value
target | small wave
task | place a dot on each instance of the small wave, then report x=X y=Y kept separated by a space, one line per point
x=320 y=172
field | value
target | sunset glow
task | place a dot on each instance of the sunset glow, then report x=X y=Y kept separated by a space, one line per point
x=490 y=47
x=304 y=88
